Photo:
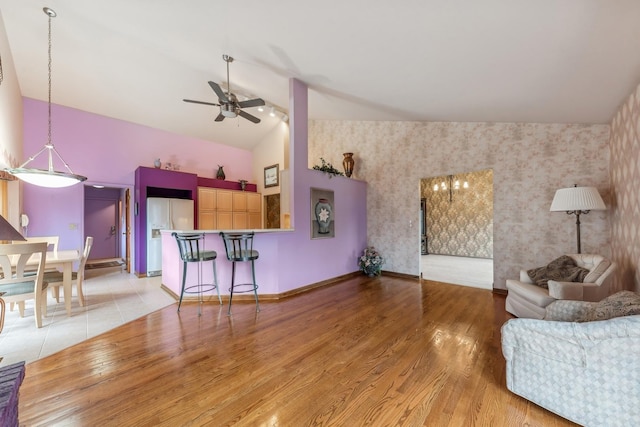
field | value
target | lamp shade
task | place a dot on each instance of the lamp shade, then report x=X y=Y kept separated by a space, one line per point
x=7 y=232
x=46 y=178
x=577 y=199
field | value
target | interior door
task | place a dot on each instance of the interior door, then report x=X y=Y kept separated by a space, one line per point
x=101 y=222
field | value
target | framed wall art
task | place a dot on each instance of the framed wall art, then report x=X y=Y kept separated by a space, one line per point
x=271 y=176
x=322 y=214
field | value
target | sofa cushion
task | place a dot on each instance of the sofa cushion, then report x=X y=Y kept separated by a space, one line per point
x=597 y=268
x=624 y=303
x=529 y=292
x=562 y=269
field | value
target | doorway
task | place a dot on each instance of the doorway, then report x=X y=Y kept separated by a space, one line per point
x=458 y=220
x=106 y=219
x=272 y=211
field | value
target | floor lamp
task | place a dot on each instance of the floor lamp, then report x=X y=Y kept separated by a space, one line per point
x=576 y=201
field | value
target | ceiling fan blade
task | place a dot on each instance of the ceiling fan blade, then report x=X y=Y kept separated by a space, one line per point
x=219 y=118
x=248 y=116
x=200 y=102
x=251 y=103
x=218 y=90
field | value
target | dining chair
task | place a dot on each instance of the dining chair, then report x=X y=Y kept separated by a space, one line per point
x=19 y=287
x=2 y=308
x=54 y=279
x=52 y=244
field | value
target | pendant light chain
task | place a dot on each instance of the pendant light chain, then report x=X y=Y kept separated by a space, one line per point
x=49 y=68
x=47 y=177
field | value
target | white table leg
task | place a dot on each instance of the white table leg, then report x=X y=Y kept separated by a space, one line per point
x=66 y=285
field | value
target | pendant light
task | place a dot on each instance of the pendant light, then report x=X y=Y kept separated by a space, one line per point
x=47 y=177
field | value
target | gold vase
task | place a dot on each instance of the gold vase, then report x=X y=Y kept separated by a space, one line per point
x=348 y=163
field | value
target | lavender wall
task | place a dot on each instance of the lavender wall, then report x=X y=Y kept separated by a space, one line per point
x=107 y=151
x=291 y=259
x=320 y=259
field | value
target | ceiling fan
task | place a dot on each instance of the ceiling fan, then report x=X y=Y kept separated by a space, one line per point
x=228 y=102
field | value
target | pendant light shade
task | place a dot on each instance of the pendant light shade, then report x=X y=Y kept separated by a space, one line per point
x=47 y=177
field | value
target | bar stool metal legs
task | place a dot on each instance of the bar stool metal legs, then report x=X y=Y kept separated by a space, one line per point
x=239 y=248
x=191 y=246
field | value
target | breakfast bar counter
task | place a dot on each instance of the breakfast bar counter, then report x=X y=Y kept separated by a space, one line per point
x=268 y=273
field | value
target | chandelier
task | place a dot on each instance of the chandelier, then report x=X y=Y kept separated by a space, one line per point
x=47 y=177
x=453 y=185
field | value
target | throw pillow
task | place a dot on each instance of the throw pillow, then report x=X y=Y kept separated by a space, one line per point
x=623 y=303
x=562 y=269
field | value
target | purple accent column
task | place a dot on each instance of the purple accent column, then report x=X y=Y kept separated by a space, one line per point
x=299 y=140
x=159 y=178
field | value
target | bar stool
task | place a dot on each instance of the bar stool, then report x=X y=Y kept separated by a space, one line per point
x=191 y=246
x=239 y=248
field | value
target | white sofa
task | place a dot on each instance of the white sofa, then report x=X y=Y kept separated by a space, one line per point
x=526 y=299
x=586 y=372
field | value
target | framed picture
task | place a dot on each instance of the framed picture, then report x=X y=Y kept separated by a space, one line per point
x=322 y=214
x=271 y=176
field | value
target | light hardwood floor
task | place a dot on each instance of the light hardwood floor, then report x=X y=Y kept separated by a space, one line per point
x=382 y=352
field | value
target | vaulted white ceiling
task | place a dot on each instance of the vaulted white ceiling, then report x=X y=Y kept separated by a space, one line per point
x=548 y=61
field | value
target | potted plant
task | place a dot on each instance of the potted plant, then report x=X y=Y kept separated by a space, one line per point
x=370 y=262
x=327 y=168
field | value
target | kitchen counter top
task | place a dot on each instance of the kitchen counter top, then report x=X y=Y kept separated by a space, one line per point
x=257 y=231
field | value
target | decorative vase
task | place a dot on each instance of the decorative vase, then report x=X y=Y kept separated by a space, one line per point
x=220 y=174
x=348 y=163
x=323 y=211
x=243 y=184
x=157 y=164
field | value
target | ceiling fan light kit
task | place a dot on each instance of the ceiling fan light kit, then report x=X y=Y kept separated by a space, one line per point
x=228 y=102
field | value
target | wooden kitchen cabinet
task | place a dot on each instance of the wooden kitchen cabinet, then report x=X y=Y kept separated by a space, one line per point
x=207 y=208
x=221 y=209
x=240 y=221
x=254 y=202
x=225 y=220
x=224 y=200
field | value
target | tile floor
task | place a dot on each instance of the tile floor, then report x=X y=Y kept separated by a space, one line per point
x=110 y=301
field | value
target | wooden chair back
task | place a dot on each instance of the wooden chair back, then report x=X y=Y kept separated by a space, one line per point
x=18 y=285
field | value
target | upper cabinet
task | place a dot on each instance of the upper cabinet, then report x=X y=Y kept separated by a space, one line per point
x=207 y=209
x=220 y=209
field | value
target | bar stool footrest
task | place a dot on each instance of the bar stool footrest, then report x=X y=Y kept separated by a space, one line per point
x=196 y=289
x=250 y=288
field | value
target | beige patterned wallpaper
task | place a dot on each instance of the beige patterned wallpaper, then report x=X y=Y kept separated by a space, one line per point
x=529 y=161
x=460 y=221
x=625 y=197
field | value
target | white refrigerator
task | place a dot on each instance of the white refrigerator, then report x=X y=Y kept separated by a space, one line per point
x=164 y=214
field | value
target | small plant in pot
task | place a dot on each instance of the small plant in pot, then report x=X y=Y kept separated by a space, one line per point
x=327 y=168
